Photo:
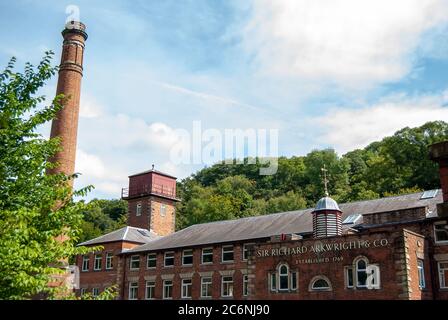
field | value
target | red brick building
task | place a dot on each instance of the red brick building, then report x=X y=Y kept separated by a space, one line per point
x=389 y=248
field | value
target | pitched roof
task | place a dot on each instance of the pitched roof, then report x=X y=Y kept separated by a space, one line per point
x=299 y=221
x=129 y=234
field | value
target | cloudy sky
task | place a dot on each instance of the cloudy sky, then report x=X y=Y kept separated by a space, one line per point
x=324 y=73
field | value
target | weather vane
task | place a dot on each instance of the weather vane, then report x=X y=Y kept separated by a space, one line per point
x=324 y=172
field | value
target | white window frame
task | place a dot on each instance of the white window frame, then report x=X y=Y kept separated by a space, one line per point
x=223 y=251
x=313 y=281
x=98 y=257
x=154 y=255
x=109 y=264
x=95 y=292
x=279 y=275
x=166 y=285
x=150 y=284
x=442 y=278
x=209 y=286
x=421 y=274
x=132 y=286
x=246 y=250
x=245 y=285
x=138 y=209
x=189 y=255
x=356 y=272
x=202 y=255
x=228 y=284
x=435 y=233
x=165 y=257
x=188 y=287
x=131 y=260
x=83 y=291
x=347 y=277
x=85 y=260
x=273 y=281
x=163 y=209
x=294 y=285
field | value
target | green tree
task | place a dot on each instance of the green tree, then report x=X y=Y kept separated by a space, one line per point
x=35 y=208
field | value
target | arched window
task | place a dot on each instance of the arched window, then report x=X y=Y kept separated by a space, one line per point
x=361 y=272
x=320 y=283
x=283 y=277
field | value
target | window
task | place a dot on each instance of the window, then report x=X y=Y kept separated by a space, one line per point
x=443 y=274
x=349 y=277
x=227 y=286
x=167 y=289
x=85 y=263
x=95 y=292
x=206 y=287
x=361 y=273
x=283 y=276
x=351 y=219
x=273 y=280
x=83 y=291
x=97 y=264
x=151 y=260
x=150 y=288
x=294 y=281
x=227 y=254
x=138 y=209
x=162 y=209
x=134 y=263
x=207 y=256
x=245 y=285
x=246 y=251
x=187 y=257
x=421 y=274
x=186 y=288
x=109 y=264
x=169 y=259
x=429 y=194
x=133 y=290
x=441 y=232
x=320 y=284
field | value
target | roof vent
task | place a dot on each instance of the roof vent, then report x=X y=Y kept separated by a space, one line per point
x=429 y=194
x=351 y=219
x=143 y=233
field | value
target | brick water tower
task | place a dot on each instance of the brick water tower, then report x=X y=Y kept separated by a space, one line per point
x=151 y=198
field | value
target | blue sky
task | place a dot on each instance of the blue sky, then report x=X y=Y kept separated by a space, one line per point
x=339 y=73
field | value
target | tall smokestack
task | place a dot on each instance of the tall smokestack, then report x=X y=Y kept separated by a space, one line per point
x=65 y=126
x=439 y=153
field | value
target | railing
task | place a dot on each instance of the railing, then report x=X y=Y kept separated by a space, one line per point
x=146 y=190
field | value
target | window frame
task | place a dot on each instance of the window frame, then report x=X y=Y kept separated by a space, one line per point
x=95 y=292
x=421 y=274
x=147 y=286
x=294 y=285
x=245 y=285
x=273 y=281
x=208 y=254
x=98 y=257
x=163 y=208
x=313 y=281
x=131 y=287
x=165 y=257
x=85 y=258
x=438 y=223
x=223 y=252
x=357 y=271
x=164 y=297
x=280 y=275
x=347 y=271
x=188 y=286
x=109 y=261
x=83 y=291
x=131 y=260
x=184 y=256
x=246 y=250
x=152 y=259
x=209 y=286
x=228 y=284
x=138 y=209
x=442 y=274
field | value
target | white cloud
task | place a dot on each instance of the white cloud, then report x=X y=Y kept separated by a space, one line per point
x=346 y=129
x=353 y=43
x=89 y=107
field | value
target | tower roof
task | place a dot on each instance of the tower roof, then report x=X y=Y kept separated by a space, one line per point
x=327 y=203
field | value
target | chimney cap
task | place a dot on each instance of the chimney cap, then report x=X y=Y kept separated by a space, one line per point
x=75 y=27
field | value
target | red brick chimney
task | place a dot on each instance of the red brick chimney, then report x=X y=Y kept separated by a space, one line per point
x=439 y=153
x=65 y=126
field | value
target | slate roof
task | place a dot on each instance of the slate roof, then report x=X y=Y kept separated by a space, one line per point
x=299 y=222
x=129 y=234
